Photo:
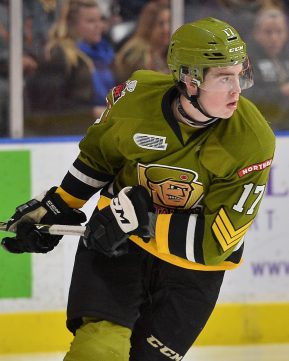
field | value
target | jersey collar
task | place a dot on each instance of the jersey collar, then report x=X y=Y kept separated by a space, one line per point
x=167 y=101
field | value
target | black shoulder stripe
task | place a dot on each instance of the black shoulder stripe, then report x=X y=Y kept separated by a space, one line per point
x=199 y=235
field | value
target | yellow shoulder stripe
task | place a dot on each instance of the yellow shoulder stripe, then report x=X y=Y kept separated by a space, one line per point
x=225 y=232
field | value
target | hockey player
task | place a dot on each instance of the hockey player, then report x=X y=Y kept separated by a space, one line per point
x=182 y=162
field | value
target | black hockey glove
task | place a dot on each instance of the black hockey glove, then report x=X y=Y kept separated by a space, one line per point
x=47 y=208
x=108 y=230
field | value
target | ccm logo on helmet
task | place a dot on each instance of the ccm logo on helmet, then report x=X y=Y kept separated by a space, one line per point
x=238 y=48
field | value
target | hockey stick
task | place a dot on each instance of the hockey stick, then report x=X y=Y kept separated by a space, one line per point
x=67 y=230
x=55 y=229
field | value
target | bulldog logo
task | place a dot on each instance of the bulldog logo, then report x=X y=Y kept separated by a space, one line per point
x=170 y=187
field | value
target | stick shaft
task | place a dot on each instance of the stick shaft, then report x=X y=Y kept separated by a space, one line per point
x=55 y=229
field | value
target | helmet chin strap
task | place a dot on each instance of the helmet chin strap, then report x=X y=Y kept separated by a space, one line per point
x=194 y=101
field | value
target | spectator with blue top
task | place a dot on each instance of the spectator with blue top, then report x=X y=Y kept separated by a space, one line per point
x=75 y=74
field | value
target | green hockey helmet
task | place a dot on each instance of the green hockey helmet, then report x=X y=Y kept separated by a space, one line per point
x=207 y=43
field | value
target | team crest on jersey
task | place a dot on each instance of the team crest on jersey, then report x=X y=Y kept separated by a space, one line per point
x=119 y=90
x=171 y=187
x=254 y=167
x=148 y=141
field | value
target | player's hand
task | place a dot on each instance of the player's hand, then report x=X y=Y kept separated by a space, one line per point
x=108 y=230
x=47 y=208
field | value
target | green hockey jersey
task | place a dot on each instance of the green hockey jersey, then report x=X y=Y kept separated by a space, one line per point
x=206 y=183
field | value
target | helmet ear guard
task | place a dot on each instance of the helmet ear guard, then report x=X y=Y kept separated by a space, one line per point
x=194 y=78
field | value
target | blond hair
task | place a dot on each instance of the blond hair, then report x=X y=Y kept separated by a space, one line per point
x=62 y=34
x=138 y=51
x=148 y=19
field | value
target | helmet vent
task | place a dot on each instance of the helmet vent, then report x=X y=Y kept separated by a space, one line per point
x=214 y=56
x=212 y=43
x=232 y=38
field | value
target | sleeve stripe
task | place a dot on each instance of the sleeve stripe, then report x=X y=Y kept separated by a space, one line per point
x=229 y=225
x=186 y=237
x=86 y=179
x=190 y=240
x=229 y=236
x=91 y=172
x=76 y=188
x=239 y=244
x=199 y=237
x=72 y=201
x=178 y=234
x=224 y=242
x=225 y=232
x=162 y=230
x=236 y=256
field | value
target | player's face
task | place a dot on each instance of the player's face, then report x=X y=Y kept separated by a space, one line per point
x=219 y=93
x=89 y=25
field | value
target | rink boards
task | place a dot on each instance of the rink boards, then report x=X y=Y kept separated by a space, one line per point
x=254 y=303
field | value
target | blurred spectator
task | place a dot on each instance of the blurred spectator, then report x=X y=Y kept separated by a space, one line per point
x=29 y=58
x=123 y=15
x=269 y=53
x=239 y=13
x=147 y=47
x=123 y=18
x=36 y=20
x=280 y=4
x=41 y=15
x=68 y=90
x=4 y=56
x=130 y=9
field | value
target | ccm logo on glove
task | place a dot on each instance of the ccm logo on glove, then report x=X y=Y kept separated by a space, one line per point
x=52 y=207
x=128 y=213
x=124 y=211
